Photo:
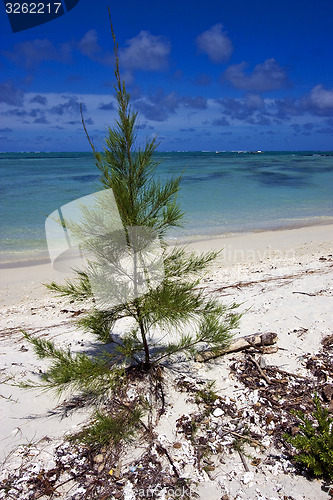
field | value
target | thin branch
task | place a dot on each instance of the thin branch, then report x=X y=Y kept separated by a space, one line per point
x=161 y=448
x=86 y=131
x=255 y=362
x=257 y=443
x=243 y=461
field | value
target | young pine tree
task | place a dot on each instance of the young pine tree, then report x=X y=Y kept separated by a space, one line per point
x=193 y=321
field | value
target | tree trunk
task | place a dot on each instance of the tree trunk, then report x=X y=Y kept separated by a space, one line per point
x=146 y=364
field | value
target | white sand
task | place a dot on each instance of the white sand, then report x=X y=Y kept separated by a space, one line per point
x=277 y=266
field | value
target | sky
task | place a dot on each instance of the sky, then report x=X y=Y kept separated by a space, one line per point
x=206 y=75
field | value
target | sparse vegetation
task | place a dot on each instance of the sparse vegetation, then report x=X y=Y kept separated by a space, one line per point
x=314 y=441
x=106 y=429
x=207 y=395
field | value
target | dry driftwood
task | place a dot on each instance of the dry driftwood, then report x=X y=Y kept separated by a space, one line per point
x=256 y=340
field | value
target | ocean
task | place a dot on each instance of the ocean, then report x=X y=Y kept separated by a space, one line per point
x=221 y=192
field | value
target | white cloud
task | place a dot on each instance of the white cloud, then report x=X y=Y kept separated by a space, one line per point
x=90 y=47
x=254 y=101
x=10 y=95
x=321 y=99
x=32 y=53
x=145 y=52
x=215 y=43
x=268 y=75
x=162 y=113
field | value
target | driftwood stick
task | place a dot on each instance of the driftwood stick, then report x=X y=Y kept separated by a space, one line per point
x=247 y=438
x=306 y=293
x=246 y=467
x=162 y=449
x=255 y=362
x=255 y=340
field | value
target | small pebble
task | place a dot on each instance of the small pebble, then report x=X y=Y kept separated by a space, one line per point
x=217 y=412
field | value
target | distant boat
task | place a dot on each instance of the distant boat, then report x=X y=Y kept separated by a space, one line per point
x=255 y=152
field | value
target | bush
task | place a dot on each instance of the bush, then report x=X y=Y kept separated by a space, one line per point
x=106 y=429
x=314 y=441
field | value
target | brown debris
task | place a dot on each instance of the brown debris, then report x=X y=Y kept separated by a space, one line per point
x=267 y=416
x=257 y=340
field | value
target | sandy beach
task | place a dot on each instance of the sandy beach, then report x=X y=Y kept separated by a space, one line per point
x=283 y=281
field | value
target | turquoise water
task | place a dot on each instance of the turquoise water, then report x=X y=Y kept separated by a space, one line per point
x=220 y=192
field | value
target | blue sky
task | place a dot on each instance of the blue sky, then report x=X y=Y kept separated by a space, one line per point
x=204 y=75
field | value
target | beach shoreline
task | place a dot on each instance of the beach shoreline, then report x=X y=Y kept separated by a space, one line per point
x=26 y=258
x=295 y=224
x=23 y=279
